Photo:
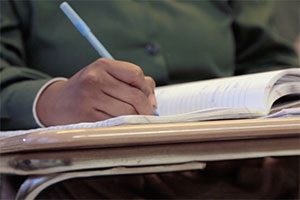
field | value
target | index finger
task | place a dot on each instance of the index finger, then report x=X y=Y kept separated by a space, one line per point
x=127 y=73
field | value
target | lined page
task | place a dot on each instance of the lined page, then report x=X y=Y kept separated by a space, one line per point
x=207 y=114
x=227 y=98
x=248 y=92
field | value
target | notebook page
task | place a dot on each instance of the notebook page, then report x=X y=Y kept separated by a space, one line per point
x=206 y=114
x=283 y=89
x=247 y=92
x=288 y=112
x=213 y=98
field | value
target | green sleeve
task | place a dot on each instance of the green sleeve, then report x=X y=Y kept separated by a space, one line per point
x=19 y=84
x=258 y=46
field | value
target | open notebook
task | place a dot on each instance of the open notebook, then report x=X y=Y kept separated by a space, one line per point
x=247 y=96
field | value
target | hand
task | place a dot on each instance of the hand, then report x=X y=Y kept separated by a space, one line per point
x=102 y=90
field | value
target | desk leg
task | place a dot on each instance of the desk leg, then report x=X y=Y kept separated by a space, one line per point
x=36 y=184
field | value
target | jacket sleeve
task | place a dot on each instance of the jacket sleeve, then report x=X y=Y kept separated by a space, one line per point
x=19 y=84
x=258 y=45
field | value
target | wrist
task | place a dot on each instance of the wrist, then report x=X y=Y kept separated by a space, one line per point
x=43 y=102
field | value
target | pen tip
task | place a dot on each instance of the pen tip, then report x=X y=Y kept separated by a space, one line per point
x=155 y=113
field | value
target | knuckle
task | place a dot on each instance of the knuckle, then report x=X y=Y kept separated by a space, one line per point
x=137 y=73
x=151 y=81
x=103 y=61
x=89 y=86
x=88 y=79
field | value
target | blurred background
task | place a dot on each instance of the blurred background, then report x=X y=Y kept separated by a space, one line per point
x=287 y=21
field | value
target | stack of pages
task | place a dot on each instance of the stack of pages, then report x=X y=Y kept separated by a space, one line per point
x=246 y=96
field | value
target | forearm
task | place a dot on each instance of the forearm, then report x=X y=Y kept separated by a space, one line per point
x=20 y=88
x=17 y=104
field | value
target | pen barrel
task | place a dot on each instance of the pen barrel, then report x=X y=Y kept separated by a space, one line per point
x=98 y=46
x=83 y=28
x=75 y=19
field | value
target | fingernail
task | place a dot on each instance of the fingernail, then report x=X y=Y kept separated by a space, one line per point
x=153 y=101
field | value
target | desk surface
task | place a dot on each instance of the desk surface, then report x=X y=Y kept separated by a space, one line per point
x=152 y=134
x=149 y=145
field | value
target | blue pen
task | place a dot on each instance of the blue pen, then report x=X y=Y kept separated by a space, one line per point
x=83 y=28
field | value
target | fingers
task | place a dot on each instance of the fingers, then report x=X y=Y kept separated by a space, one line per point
x=126 y=72
x=151 y=84
x=112 y=106
x=101 y=90
x=131 y=95
x=123 y=76
x=92 y=115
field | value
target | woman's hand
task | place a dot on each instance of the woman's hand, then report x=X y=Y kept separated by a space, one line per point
x=102 y=90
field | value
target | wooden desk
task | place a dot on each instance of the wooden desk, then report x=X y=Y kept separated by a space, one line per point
x=59 y=155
